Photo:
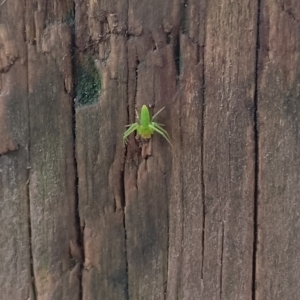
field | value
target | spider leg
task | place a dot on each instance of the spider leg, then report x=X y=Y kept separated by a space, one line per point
x=161 y=131
x=130 y=130
x=137 y=117
x=157 y=125
x=155 y=115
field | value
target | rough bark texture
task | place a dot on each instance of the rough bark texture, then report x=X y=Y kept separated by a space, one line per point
x=215 y=216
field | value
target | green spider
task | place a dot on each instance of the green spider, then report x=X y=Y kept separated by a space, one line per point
x=145 y=126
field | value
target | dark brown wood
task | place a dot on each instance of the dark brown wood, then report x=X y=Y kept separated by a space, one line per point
x=15 y=275
x=101 y=115
x=279 y=155
x=39 y=246
x=152 y=38
x=229 y=152
x=215 y=216
x=52 y=192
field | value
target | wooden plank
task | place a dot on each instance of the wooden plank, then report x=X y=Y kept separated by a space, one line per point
x=170 y=223
x=191 y=64
x=15 y=275
x=101 y=115
x=229 y=152
x=152 y=81
x=278 y=261
x=56 y=256
x=191 y=165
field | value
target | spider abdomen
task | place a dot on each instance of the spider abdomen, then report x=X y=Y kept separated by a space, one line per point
x=145 y=117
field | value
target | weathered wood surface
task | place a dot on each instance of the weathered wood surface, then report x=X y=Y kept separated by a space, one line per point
x=15 y=275
x=101 y=49
x=213 y=217
x=229 y=152
x=278 y=256
x=40 y=258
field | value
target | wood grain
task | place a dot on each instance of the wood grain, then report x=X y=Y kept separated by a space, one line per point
x=279 y=154
x=15 y=274
x=52 y=192
x=153 y=82
x=229 y=152
x=213 y=217
x=100 y=120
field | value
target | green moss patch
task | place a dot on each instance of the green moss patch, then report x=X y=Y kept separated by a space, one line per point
x=88 y=87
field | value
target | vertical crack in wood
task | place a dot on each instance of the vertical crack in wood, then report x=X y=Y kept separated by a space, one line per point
x=126 y=255
x=184 y=17
x=168 y=243
x=78 y=227
x=123 y=197
x=176 y=39
x=177 y=58
x=181 y=168
x=136 y=83
x=32 y=274
x=123 y=203
x=180 y=255
x=256 y=152
x=202 y=155
x=221 y=260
